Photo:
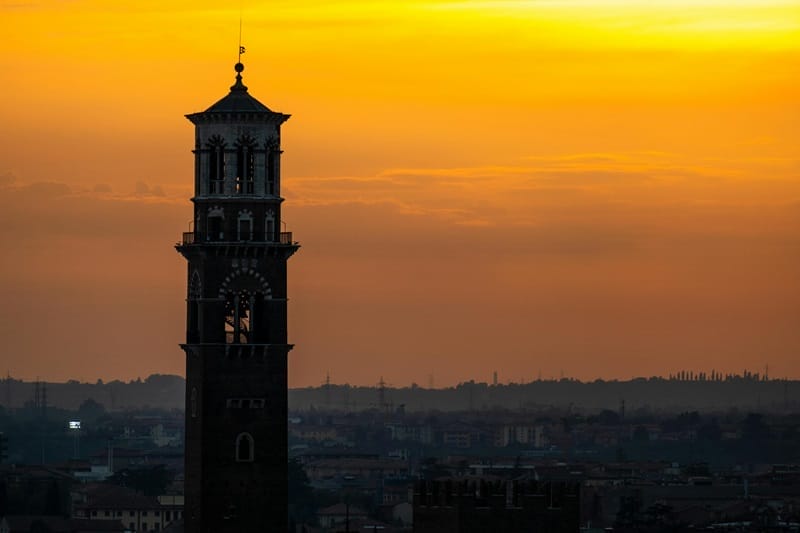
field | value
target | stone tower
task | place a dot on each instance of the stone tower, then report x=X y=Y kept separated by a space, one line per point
x=236 y=339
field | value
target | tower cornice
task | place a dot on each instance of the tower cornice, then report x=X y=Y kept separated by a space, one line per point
x=219 y=117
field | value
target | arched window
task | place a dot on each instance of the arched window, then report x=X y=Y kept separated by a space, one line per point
x=245 y=225
x=269 y=226
x=245 y=165
x=245 y=448
x=216 y=165
x=239 y=317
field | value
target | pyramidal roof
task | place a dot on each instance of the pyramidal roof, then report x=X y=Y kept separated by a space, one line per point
x=238 y=100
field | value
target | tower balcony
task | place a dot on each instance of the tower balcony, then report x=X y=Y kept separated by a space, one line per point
x=192 y=243
x=192 y=237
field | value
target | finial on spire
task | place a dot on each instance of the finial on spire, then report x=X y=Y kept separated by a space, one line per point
x=238 y=86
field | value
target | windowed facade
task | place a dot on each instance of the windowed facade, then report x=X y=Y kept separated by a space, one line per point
x=245 y=448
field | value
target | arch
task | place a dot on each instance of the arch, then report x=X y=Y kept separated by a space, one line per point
x=243 y=291
x=245 y=448
x=215 y=146
x=245 y=279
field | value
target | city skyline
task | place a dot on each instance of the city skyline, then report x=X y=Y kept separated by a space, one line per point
x=599 y=188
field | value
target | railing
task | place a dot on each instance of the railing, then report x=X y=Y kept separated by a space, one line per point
x=190 y=237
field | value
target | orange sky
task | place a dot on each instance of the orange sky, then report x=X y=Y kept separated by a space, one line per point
x=603 y=188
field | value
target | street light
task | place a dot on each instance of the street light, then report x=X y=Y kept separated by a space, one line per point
x=75 y=427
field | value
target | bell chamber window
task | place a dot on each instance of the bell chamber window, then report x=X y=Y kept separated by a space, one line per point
x=245 y=165
x=239 y=317
x=216 y=165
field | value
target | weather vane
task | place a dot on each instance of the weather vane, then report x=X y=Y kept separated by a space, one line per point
x=241 y=48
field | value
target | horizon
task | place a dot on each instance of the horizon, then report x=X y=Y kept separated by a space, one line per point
x=689 y=376
x=596 y=188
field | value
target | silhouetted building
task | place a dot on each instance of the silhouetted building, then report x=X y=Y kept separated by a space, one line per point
x=457 y=506
x=236 y=332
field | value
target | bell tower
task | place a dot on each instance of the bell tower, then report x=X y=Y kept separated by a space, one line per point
x=236 y=327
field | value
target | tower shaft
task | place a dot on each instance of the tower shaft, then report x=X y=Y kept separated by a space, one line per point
x=236 y=322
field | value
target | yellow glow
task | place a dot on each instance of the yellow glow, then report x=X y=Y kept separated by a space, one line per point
x=665 y=130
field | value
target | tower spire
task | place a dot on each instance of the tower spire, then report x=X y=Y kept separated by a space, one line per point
x=239 y=67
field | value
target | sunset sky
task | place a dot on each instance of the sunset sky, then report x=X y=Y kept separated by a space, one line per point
x=599 y=188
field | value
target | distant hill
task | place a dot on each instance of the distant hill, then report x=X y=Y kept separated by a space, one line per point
x=158 y=391
x=655 y=393
x=660 y=394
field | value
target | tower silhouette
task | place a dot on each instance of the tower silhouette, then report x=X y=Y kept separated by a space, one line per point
x=236 y=327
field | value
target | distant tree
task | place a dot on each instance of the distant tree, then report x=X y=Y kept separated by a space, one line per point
x=90 y=409
x=150 y=481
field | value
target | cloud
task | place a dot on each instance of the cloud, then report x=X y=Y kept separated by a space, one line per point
x=143 y=189
x=44 y=189
x=593 y=190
